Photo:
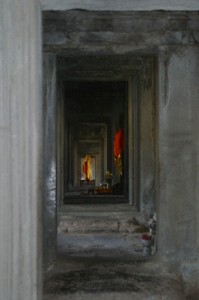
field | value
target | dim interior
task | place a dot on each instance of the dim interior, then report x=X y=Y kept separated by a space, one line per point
x=95 y=140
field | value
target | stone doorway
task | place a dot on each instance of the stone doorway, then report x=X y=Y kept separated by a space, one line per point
x=134 y=79
x=94 y=112
x=138 y=74
x=94 y=92
x=64 y=71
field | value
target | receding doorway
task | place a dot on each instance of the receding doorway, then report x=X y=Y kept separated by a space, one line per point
x=96 y=141
x=75 y=133
x=96 y=97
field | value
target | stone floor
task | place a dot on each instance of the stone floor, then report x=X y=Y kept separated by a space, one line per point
x=100 y=256
x=106 y=278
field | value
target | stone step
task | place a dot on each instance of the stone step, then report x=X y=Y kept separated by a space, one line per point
x=100 y=245
x=114 y=296
x=97 y=225
x=100 y=219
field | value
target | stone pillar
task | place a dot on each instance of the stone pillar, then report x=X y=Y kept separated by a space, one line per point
x=20 y=150
x=50 y=169
x=178 y=154
x=147 y=120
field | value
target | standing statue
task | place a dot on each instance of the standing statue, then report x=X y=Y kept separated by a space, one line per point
x=87 y=168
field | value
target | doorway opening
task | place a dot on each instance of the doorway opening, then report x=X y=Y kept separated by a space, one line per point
x=95 y=141
x=97 y=96
x=106 y=119
x=99 y=93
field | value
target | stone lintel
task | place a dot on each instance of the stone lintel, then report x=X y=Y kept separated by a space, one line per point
x=118 y=5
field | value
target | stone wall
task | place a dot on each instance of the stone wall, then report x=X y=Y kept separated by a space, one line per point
x=178 y=153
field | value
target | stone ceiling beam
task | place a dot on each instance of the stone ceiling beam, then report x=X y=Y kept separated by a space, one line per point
x=73 y=33
x=118 y=5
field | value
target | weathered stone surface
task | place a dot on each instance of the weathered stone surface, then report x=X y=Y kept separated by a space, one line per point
x=21 y=133
x=50 y=206
x=100 y=230
x=190 y=275
x=178 y=154
x=117 y=32
x=100 y=244
x=110 y=279
x=87 y=225
x=107 y=218
x=120 y=5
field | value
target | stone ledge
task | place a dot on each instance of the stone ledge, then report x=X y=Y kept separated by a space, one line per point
x=118 y=5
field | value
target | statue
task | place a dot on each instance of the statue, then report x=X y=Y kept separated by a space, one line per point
x=87 y=168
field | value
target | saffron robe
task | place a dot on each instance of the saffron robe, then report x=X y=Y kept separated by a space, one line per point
x=118 y=148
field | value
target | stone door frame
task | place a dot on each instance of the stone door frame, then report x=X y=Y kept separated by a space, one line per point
x=139 y=72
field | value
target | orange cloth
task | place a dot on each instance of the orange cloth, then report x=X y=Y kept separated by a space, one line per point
x=118 y=143
x=86 y=168
x=118 y=148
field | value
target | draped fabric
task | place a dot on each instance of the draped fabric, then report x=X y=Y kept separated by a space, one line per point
x=118 y=148
x=86 y=168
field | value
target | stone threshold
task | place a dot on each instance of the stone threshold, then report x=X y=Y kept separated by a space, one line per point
x=94 y=199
